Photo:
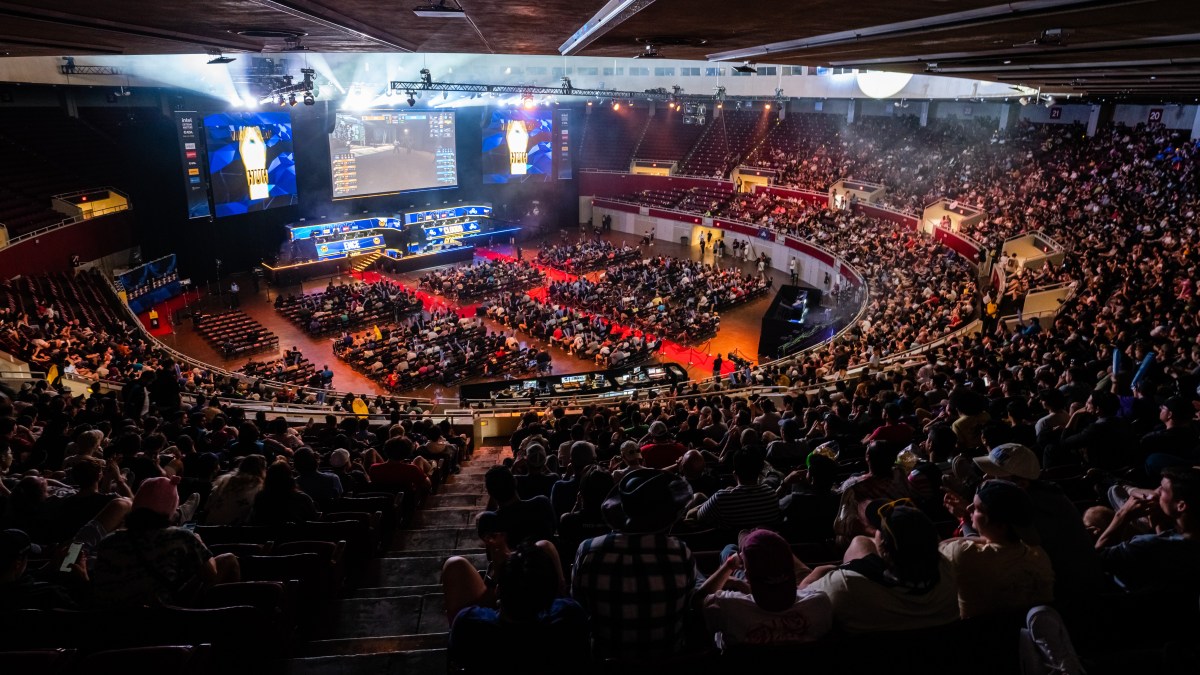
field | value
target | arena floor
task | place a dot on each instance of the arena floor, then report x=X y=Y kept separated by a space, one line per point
x=740 y=326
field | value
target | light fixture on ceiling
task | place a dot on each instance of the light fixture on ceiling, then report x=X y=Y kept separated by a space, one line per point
x=649 y=52
x=527 y=101
x=411 y=99
x=309 y=99
x=292 y=100
x=440 y=10
x=745 y=68
x=219 y=58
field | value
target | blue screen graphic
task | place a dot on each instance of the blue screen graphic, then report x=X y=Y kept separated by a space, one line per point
x=517 y=145
x=250 y=161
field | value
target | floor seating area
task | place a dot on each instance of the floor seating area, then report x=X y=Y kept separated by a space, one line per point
x=235 y=333
x=279 y=370
x=333 y=310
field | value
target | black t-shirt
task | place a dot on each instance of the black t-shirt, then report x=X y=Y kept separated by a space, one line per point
x=72 y=513
x=527 y=519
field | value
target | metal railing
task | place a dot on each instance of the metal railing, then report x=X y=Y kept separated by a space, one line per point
x=74 y=220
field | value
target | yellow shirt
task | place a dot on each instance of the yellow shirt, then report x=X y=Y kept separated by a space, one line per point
x=993 y=577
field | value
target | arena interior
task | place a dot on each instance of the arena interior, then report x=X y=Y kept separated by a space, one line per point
x=579 y=337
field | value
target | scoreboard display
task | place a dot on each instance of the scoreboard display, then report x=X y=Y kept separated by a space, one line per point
x=337 y=249
x=477 y=210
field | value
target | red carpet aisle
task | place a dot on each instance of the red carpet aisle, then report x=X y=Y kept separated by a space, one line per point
x=165 y=310
x=670 y=349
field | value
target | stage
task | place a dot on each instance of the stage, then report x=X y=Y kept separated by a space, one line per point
x=287 y=275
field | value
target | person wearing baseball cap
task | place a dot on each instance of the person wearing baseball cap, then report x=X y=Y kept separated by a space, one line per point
x=661 y=450
x=1008 y=460
x=1000 y=569
x=1057 y=524
x=895 y=580
x=774 y=611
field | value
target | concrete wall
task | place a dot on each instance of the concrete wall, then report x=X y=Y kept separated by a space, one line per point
x=812 y=271
x=1173 y=116
x=1040 y=114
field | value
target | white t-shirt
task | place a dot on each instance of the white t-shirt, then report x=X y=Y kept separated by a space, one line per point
x=735 y=619
x=861 y=605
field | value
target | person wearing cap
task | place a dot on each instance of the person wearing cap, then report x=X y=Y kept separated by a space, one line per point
x=636 y=583
x=1176 y=443
x=48 y=588
x=1056 y=520
x=660 y=450
x=895 y=580
x=998 y=569
x=151 y=562
x=774 y=611
x=749 y=503
x=536 y=479
x=351 y=474
x=629 y=459
x=1168 y=558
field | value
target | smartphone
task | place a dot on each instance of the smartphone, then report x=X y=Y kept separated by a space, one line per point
x=72 y=557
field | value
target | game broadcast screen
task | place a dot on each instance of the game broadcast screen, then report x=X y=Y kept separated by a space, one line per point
x=518 y=145
x=387 y=151
x=251 y=162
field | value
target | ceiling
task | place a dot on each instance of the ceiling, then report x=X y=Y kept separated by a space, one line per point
x=1130 y=47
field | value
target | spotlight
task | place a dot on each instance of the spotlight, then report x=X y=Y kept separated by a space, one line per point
x=411 y=101
x=281 y=101
x=527 y=101
x=766 y=106
x=292 y=100
x=309 y=99
x=616 y=105
x=426 y=78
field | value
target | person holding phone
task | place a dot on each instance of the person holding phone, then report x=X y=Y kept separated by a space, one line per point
x=60 y=585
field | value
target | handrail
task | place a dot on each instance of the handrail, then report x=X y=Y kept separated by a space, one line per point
x=107 y=188
x=67 y=222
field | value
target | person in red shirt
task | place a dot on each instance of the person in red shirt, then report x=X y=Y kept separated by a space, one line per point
x=399 y=470
x=893 y=430
x=662 y=450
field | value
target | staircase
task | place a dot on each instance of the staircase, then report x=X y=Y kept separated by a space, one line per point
x=396 y=623
x=363 y=262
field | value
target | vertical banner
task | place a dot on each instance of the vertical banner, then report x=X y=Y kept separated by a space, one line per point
x=191 y=150
x=564 y=144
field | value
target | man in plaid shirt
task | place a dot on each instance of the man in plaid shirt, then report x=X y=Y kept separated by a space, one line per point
x=636 y=583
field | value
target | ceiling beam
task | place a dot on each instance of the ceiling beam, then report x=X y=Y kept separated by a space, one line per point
x=323 y=16
x=955 y=20
x=65 y=19
x=1038 y=52
x=611 y=15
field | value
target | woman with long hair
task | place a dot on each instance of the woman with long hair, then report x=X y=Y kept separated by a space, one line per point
x=233 y=493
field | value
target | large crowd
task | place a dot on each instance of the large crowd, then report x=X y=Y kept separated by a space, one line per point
x=586 y=256
x=483 y=278
x=676 y=298
x=348 y=305
x=444 y=348
x=588 y=336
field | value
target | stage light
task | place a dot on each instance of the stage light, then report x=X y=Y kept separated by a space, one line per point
x=767 y=106
x=1024 y=100
x=292 y=100
x=281 y=101
x=616 y=105
x=426 y=77
x=411 y=100
x=527 y=101
x=309 y=99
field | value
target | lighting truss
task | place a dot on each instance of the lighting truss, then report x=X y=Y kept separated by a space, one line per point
x=526 y=90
